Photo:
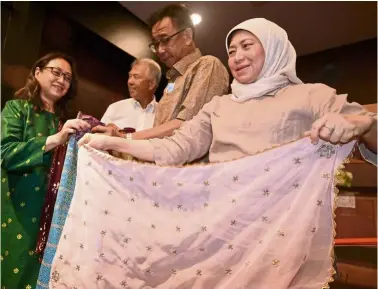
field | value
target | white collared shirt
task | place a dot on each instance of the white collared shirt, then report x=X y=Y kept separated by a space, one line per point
x=129 y=113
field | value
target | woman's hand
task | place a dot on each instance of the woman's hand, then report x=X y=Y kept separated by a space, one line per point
x=70 y=127
x=96 y=141
x=339 y=128
x=140 y=149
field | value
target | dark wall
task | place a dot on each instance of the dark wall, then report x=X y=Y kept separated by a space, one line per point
x=350 y=69
x=21 y=29
x=111 y=21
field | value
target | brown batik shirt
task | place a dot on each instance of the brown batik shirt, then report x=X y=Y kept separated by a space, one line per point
x=192 y=82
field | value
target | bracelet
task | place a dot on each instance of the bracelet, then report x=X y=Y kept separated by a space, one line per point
x=129 y=136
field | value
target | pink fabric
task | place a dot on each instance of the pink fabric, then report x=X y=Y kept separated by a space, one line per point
x=264 y=221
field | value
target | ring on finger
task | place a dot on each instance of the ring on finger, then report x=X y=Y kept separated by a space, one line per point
x=330 y=128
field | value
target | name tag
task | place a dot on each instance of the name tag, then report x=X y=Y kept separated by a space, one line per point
x=170 y=87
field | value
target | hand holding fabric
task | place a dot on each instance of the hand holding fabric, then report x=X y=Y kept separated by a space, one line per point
x=70 y=127
x=96 y=141
x=338 y=128
x=110 y=130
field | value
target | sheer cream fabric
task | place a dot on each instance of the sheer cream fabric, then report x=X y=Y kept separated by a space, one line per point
x=264 y=221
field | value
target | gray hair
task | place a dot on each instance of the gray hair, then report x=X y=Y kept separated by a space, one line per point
x=153 y=68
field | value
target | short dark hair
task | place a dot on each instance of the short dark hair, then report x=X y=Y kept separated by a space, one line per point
x=32 y=90
x=178 y=13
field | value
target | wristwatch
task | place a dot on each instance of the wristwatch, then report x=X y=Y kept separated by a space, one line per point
x=129 y=136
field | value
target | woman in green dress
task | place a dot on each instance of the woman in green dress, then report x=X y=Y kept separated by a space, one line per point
x=28 y=137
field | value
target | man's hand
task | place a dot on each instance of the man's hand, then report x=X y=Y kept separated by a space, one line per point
x=110 y=130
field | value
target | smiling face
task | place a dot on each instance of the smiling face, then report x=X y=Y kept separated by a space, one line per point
x=140 y=83
x=246 y=56
x=54 y=79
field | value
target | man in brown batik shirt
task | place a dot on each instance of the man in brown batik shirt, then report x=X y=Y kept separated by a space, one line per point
x=193 y=79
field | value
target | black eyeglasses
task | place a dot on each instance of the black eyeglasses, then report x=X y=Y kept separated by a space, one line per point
x=154 y=46
x=58 y=73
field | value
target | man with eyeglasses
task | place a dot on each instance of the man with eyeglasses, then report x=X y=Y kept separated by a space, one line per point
x=193 y=79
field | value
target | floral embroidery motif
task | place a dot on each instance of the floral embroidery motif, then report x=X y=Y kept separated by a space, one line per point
x=297 y=161
x=148 y=271
x=326 y=150
x=55 y=276
x=296 y=186
x=326 y=176
x=275 y=262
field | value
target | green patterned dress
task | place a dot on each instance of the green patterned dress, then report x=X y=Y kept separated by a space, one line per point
x=24 y=178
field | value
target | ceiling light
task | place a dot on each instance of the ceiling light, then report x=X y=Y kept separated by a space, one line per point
x=196 y=18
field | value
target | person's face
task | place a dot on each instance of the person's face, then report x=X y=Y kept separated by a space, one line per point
x=246 y=57
x=140 y=84
x=54 y=79
x=170 y=49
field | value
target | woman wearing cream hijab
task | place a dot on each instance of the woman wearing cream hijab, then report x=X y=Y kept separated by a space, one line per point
x=269 y=106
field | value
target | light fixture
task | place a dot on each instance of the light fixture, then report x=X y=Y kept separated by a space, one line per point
x=196 y=18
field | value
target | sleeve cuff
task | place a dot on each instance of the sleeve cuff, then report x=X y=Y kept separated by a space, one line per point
x=368 y=155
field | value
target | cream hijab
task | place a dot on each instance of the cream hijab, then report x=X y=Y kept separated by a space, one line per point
x=280 y=57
